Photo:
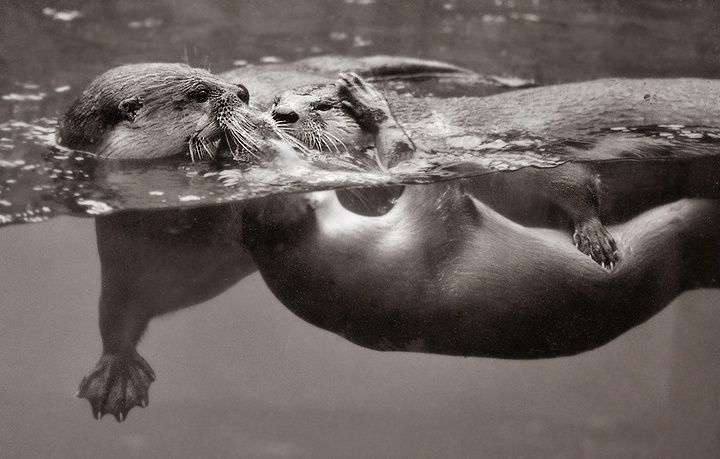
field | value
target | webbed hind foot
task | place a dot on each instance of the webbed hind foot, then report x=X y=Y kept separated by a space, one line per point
x=592 y=239
x=119 y=382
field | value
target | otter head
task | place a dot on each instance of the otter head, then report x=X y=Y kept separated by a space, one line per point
x=159 y=110
x=316 y=117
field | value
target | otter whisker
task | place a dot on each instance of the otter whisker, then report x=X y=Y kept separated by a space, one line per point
x=337 y=139
x=324 y=143
x=330 y=140
x=191 y=148
x=199 y=146
x=316 y=141
x=206 y=146
x=240 y=131
x=194 y=149
x=293 y=141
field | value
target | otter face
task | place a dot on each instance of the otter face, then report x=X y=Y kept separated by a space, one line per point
x=315 y=116
x=159 y=110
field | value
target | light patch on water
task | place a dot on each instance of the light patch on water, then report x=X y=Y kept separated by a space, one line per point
x=469 y=142
x=513 y=82
x=14 y=163
x=156 y=193
x=524 y=143
x=190 y=198
x=5 y=203
x=530 y=17
x=360 y=42
x=24 y=97
x=493 y=19
x=270 y=60
x=62 y=15
x=95 y=207
x=338 y=36
x=147 y=23
x=240 y=63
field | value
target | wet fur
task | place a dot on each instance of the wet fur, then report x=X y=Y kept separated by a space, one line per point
x=166 y=116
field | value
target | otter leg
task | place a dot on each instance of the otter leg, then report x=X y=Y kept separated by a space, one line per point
x=372 y=113
x=155 y=262
x=574 y=188
x=121 y=380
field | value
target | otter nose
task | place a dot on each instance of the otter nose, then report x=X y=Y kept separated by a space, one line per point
x=285 y=114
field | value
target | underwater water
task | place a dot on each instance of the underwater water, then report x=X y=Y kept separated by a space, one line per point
x=241 y=375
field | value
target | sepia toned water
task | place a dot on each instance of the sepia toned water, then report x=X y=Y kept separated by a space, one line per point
x=240 y=375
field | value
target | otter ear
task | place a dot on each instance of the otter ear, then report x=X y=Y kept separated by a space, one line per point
x=129 y=107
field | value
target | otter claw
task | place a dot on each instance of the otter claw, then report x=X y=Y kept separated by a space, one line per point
x=119 y=382
x=592 y=239
x=365 y=103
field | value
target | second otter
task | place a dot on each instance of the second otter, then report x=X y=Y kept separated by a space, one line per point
x=321 y=116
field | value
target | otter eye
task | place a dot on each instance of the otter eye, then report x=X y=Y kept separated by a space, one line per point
x=323 y=107
x=199 y=95
x=243 y=93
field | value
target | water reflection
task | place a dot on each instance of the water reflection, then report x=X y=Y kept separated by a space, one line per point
x=462 y=268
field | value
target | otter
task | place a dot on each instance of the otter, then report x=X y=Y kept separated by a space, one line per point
x=122 y=378
x=146 y=111
x=320 y=116
x=449 y=275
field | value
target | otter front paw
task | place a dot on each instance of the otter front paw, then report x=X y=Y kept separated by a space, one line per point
x=363 y=101
x=119 y=382
x=592 y=239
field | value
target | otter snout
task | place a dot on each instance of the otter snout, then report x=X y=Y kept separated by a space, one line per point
x=285 y=115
